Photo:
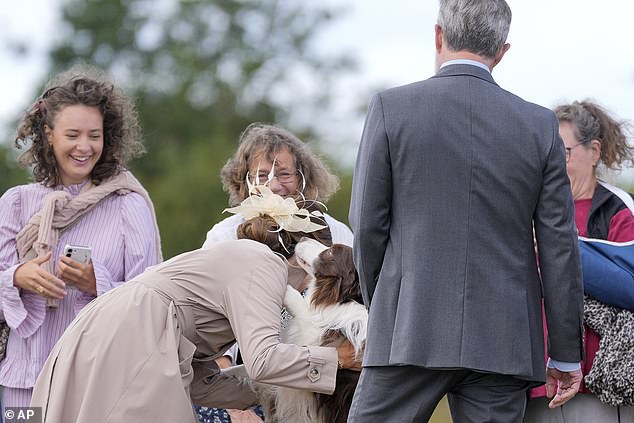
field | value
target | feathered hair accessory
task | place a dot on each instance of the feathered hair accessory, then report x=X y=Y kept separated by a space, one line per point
x=288 y=216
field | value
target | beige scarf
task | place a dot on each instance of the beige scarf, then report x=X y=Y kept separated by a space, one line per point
x=60 y=211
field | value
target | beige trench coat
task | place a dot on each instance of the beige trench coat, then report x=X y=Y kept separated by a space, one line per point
x=127 y=357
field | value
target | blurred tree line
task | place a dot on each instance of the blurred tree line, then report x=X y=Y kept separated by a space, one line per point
x=200 y=72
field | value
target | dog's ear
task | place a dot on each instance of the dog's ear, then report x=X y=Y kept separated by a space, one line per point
x=349 y=283
x=337 y=280
x=350 y=288
x=326 y=291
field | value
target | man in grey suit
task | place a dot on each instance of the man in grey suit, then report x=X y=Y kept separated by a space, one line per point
x=455 y=179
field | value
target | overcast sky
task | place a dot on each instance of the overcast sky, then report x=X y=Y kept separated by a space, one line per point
x=561 y=50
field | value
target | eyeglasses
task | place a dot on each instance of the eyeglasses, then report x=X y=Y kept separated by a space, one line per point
x=569 y=151
x=283 y=177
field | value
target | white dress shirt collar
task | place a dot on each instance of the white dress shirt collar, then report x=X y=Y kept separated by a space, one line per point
x=466 y=62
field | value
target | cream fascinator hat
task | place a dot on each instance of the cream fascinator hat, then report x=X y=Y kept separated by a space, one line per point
x=285 y=211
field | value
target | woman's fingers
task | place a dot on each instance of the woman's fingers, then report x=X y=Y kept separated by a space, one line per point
x=32 y=277
x=80 y=275
x=49 y=286
x=347 y=356
x=69 y=269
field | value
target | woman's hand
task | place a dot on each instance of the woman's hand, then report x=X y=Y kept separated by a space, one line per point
x=246 y=416
x=347 y=357
x=31 y=277
x=78 y=275
x=224 y=362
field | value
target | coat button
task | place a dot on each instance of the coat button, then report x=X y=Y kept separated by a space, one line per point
x=313 y=374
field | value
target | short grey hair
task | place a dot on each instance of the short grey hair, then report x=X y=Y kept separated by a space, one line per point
x=476 y=26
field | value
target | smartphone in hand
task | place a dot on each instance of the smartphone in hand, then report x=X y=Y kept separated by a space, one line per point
x=78 y=253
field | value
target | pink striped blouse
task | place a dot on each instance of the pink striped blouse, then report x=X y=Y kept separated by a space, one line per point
x=121 y=232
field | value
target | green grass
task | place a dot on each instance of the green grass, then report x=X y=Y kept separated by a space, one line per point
x=441 y=414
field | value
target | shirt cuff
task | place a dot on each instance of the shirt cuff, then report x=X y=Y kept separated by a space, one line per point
x=11 y=303
x=232 y=353
x=563 y=366
x=24 y=312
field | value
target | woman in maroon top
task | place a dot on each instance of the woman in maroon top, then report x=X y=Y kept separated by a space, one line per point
x=591 y=138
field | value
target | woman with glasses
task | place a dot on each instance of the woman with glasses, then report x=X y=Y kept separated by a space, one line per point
x=592 y=138
x=287 y=165
x=271 y=155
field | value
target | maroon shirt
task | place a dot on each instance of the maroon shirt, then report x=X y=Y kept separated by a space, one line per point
x=621 y=230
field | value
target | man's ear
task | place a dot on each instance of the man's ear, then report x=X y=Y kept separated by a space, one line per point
x=438 y=37
x=500 y=54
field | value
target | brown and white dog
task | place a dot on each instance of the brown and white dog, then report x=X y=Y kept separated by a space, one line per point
x=331 y=309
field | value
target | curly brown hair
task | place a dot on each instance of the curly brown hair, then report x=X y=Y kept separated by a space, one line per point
x=592 y=122
x=88 y=86
x=260 y=138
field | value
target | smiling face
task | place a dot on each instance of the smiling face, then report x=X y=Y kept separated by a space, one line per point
x=285 y=169
x=77 y=142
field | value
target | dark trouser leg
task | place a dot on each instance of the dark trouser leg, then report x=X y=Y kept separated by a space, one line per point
x=488 y=398
x=399 y=394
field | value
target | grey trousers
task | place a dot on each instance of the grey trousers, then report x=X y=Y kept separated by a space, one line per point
x=582 y=408
x=410 y=394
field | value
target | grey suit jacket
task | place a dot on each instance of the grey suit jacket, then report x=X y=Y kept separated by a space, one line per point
x=451 y=174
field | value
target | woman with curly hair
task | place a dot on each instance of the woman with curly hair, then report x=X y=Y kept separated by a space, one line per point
x=594 y=141
x=271 y=155
x=77 y=137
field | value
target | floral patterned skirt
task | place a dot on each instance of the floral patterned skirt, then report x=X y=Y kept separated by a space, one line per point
x=219 y=415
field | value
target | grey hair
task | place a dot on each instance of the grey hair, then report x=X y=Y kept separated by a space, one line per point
x=476 y=26
x=592 y=122
x=259 y=137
